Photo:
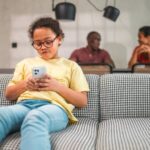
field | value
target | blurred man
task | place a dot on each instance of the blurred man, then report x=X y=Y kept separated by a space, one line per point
x=92 y=53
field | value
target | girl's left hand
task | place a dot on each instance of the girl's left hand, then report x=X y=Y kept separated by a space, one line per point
x=48 y=83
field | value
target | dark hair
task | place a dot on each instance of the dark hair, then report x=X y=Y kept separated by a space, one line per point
x=46 y=22
x=145 y=30
x=92 y=32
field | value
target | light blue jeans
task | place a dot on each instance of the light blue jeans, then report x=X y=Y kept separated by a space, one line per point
x=36 y=119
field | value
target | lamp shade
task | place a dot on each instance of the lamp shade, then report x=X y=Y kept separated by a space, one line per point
x=111 y=13
x=65 y=11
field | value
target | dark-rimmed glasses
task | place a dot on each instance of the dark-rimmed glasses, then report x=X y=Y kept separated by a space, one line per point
x=46 y=43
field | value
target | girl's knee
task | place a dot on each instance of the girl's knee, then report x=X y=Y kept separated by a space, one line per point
x=34 y=118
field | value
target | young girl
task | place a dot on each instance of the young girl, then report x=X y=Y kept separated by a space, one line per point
x=45 y=104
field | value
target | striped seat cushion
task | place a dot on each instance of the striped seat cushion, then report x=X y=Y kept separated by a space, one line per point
x=11 y=142
x=92 y=109
x=80 y=136
x=124 y=95
x=124 y=134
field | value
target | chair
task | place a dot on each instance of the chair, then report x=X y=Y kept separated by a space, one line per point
x=96 y=68
x=141 y=68
x=6 y=70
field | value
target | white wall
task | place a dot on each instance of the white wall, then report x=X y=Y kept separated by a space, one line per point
x=119 y=37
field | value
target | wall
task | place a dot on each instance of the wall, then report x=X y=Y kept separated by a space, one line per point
x=119 y=37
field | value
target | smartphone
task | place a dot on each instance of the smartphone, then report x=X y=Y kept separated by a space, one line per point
x=38 y=72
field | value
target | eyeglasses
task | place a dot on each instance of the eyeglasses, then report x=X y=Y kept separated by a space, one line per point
x=46 y=43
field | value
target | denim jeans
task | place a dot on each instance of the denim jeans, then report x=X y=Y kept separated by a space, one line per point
x=36 y=119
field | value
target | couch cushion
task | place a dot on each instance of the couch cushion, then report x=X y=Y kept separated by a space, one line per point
x=80 y=136
x=125 y=95
x=92 y=109
x=11 y=142
x=124 y=134
x=4 y=79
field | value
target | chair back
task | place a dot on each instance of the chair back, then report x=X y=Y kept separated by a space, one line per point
x=98 y=69
x=6 y=70
x=141 y=68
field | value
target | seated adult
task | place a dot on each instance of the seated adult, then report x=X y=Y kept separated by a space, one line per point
x=92 y=54
x=141 y=53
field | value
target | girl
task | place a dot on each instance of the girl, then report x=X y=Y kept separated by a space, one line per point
x=45 y=104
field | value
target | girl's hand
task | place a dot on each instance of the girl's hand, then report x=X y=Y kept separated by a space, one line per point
x=143 y=48
x=32 y=84
x=48 y=83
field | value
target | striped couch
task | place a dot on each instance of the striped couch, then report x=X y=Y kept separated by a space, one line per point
x=117 y=116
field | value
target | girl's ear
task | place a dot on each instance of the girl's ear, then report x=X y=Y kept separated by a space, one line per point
x=60 y=40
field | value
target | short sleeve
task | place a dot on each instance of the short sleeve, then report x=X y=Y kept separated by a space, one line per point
x=78 y=80
x=106 y=55
x=18 y=74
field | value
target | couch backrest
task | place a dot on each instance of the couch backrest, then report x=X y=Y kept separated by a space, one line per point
x=92 y=109
x=124 y=95
x=4 y=79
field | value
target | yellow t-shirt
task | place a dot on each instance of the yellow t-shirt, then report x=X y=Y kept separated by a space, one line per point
x=63 y=70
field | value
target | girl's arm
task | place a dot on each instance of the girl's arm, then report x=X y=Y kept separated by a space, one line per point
x=12 y=92
x=79 y=99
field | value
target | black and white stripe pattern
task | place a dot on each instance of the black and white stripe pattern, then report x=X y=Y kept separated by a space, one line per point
x=125 y=95
x=125 y=116
x=80 y=136
x=93 y=107
x=124 y=134
x=4 y=79
x=12 y=142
